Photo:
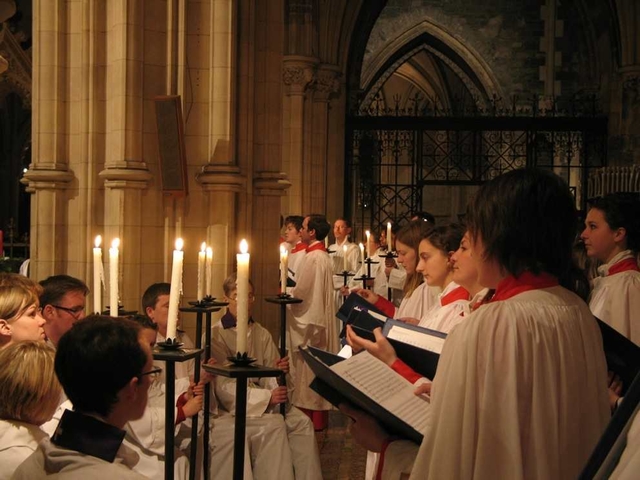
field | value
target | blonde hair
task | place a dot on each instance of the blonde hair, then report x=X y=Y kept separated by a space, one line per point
x=29 y=389
x=14 y=300
x=14 y=279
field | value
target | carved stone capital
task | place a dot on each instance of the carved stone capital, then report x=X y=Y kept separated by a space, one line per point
x=270 y=183
x=327 y=82
x=126 y=178
x=298 y=73
x=17 y=77
x=46 y=179
x=221 y=178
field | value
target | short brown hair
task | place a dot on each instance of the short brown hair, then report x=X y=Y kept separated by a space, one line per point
x=29 y=389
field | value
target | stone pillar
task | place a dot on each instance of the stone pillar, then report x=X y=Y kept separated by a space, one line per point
x=125 y=174
x=298 y=74
x=624 y=125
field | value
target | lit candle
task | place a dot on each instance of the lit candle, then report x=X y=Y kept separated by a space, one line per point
x=361 y=252
x=176 y=289
x=97 y=275
x=368 y=235
x=242 y=285
x=344 y=257
x=201 y=270
x=209 y=270
x=389 y=248
x=114 y=254
x=284 y=265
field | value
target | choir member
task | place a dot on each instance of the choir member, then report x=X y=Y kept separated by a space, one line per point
x=20 y=317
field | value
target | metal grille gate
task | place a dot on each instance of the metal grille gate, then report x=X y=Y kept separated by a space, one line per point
x=394 y=154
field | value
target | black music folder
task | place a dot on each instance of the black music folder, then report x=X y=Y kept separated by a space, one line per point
x=623 y=356
x=352 y=301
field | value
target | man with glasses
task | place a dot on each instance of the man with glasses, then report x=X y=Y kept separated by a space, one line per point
x=62 y=303
x=105 y=367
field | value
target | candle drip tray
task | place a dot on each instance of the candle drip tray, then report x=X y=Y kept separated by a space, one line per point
x=170 y=346
x=242 y=361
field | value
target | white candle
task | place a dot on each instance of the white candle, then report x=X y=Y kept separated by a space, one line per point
x=114 y=254
x=344 y=257
x=209 y=270
x=361 y=252
x=201 y=270
x=97 y=275
x=389 y=248
x=368 y=235
x=242 y=285
x=176 y=289
x=284 y=265
x=326 y=241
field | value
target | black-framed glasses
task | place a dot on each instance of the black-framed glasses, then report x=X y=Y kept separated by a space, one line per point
x=153 y=373
x=74 y=312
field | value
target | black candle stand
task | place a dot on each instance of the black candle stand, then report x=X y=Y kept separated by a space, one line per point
x=121 y=312
x=283 y=300
x=241 y=374
x=171 y=357
x=206 y=306
x=389 y=255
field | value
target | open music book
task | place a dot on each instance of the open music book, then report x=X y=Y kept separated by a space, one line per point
x=372 y=386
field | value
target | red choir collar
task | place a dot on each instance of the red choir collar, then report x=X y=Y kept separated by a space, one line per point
x=512 y=286
x=316 y=246
x=300 y=246
x=626 y=265
x=458 y=293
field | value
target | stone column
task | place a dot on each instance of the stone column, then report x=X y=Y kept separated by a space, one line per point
x=125 y=174
x=297 y=76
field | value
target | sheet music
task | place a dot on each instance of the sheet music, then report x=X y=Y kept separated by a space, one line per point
x=386 y=387
x=377 y=316
x=415 y=338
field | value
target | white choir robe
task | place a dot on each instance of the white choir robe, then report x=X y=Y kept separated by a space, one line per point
x=628 y=466
x=444 y=317
x=311 y=322
x=421 y=301
x=520 y=393
x=279 y=448
x=18 y=440
x=296 y=254
x=146 y=435
x=353 y=263
x=615 y=299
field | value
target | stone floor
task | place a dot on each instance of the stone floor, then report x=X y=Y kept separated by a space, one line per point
x=341 y=457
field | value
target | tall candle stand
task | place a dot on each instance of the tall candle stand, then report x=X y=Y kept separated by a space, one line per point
x=172 y=354
x=283 y=300
x=365 y=278
x=390 y=256
x=205 y=306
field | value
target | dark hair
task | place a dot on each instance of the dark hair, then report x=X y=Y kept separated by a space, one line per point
x=347 y=222
x=424 y=216
x=295 y=220
x=151 y=294
x=319 y=224
x=57 y=286
x=622 y=210
x=411 y=235
x=144 y=321
x=230 y=284
x=96 y=358
x=446 y=237
x=526 y=219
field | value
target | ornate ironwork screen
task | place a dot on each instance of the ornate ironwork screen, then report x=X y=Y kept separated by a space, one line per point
x=394 y=154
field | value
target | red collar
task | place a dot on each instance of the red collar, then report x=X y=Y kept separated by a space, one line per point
x=316 y=246
x=512 y=286
x=300 y=246
x=459 y=293
x=626 y=265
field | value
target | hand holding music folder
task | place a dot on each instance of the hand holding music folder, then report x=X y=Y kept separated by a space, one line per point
x=372 y=386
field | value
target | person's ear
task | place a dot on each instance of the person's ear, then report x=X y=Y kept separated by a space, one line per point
x=149 y=311
x=47 y=310
x=5 y=328
x=620 y=235
x=131 y=390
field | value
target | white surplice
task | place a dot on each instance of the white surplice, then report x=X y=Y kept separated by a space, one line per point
x=18 y=440
x=444 y=317
x=421 y=301
x=278 y=448
x=520 y=393
x=311 y=322
x=615 y=298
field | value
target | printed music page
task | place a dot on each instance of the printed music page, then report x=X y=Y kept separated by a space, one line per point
x=386 y=387
x=417 y=339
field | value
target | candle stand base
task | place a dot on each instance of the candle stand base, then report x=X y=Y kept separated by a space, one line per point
x=169 y=345
x=241 y=360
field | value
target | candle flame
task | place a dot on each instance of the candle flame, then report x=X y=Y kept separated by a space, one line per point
x=203 y=247
x=179 y=244
x=244 y=246
x=209 y=252
x=283 y=251
x=98 y=241
x=115 y=243
x=388 y=224
x=344 y=248
x=367 y=233
x=361 y=246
